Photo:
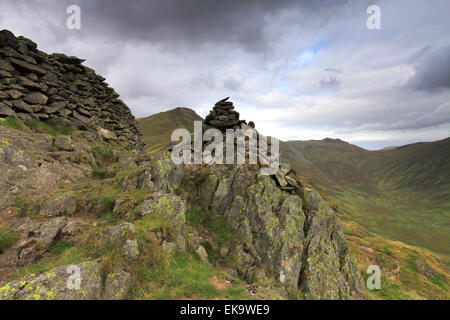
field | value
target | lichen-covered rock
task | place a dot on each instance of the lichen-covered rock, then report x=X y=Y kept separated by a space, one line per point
x=33 y=235
x=30 y=167
x=424 y=268
x=119 y=232
x=6 y=111
x=145 y=181
x=47 y=231
x=201 y=251
x=299 y=245
x=63 y=143
x=130 y=182
x=329 y=271
x=173 y=209
x=117 y=285
x=131 y=249
x=57 y=284
x=106 y=134
x=35 y=98
x=64 y=204
x=167 y=175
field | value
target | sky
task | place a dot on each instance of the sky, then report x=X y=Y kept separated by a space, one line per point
x=300 y=70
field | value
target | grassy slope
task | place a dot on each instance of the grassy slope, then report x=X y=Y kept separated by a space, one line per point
x=401 y=193
x=157 y=128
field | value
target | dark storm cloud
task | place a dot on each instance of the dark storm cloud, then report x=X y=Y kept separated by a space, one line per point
x=194 y=22
x=432 y=71
x=185 y=21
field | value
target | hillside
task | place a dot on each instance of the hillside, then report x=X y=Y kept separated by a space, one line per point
x=157 y=127
x=402 y=193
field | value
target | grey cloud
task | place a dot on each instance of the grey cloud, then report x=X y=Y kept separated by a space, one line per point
x=433 y=71
x=187 y=23
x=333 y=70
x=231 y=84
x=416 y=56
x=330 y=82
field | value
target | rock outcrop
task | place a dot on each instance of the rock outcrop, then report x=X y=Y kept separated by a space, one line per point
x=58 y=89
x=82 y=281
x=34 y=236
x=288 y=233
x=293 y=238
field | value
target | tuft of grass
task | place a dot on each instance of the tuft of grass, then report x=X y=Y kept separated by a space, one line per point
x=216 y=225
x=44 y=127
x=12 y=123
x=99 y=173
x=103 y=154
x=66 y=255
x=7 y=239
x=439 y=281
x=21 y=204
x=61 y=246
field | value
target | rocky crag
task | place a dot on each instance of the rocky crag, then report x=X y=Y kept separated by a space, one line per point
x=129 y=223
x=288 y=232
x=58 y=89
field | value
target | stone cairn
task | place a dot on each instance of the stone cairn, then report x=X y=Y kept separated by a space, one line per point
x=223 y=116
x=59 y=90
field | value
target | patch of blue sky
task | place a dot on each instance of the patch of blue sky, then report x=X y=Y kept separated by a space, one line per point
x=281 y=82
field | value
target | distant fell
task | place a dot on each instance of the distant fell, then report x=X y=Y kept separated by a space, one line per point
x=157 y=128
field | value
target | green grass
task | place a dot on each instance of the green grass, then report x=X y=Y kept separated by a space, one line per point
x=7 y=239
x=36 y=126
x=186 y=277
x=21 y=204
x=61 y=246
x=12 y=123
x=216 y=225
x=159 y=276
x=44 y=127
x=103 y=154
x=65 y=255
x=99 y=173
x=439 y=281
